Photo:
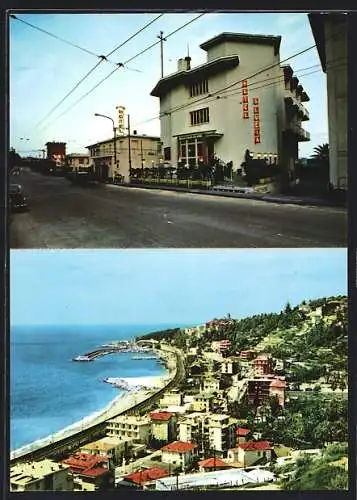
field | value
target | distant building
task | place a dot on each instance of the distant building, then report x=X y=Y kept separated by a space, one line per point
x=212 y=463
x=230 y=366
x=173 y=397
x=261 y=365
x=44 y=475
x=145 y=152
x=219 y=429
x=179 y=453
x=91 y=472
x=223 y=108
x=163 y=426
x=146 y=478
x=210 y=384
x=259 y=390
x=56 y=151
x=78 y=161
x=112 y=448
x=130 y=427
x=241 y=435
x=220 y=479
x=250 y=453
x=331 y=33
x=221 y=345
x=202 y=402
x=247 y=355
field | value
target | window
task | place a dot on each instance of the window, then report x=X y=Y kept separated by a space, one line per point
x=199 y=116
x=191 y=151
x=199 y=88
x=167 y=154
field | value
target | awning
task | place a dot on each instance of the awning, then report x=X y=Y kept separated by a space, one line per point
x=209 y=134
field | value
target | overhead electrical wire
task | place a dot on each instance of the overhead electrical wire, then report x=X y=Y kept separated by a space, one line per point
x=211 y=97
x=54 y=36
x=123 y=64
x=102 y=59
x=223 y=89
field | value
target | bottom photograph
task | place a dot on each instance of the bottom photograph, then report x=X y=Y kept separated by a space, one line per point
x=178 y=370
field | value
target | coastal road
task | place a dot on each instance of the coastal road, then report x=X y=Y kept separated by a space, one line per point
x=63 y=215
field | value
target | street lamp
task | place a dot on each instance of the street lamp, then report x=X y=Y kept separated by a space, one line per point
x=115 y=137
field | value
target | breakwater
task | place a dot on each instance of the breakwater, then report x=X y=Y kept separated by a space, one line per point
x=66 y=441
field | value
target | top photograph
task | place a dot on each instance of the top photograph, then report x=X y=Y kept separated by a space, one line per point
x=177 y=130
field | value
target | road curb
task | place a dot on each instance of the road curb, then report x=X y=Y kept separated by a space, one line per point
x=263 y=197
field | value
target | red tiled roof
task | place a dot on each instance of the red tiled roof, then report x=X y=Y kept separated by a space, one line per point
x=84 y=461
x=212 y=462
x=161 y=415
x=179 y=447
x=278 y=383
x=95 y=471
x=241 y=431
x=147 y=475
x=255 y=445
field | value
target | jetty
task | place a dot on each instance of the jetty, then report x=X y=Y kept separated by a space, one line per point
x=112 y=348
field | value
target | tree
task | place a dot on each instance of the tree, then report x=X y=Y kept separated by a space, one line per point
x=287 y=309
x=321 y=153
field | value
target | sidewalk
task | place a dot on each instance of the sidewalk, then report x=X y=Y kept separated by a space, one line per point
x=270 y=198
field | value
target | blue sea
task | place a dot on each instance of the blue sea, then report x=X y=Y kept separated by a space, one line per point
x=48 y=391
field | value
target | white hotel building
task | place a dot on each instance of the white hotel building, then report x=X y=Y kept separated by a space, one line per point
x=223 y=107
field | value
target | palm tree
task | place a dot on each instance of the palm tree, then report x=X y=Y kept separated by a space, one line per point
x=321 y=153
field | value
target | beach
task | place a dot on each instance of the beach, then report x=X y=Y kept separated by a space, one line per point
x=121 y=403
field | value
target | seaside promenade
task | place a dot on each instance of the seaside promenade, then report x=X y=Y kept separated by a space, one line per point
x=94 y=427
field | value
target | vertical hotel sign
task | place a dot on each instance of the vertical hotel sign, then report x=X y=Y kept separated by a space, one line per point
x=256 y=116
x=245 y=104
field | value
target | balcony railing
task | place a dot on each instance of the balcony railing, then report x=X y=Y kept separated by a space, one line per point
x=300 y=108
x=303 y=135
x=102 y=154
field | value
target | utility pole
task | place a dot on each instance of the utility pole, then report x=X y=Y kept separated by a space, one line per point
x=129 y=145
x=162 y=39
x=115 y=151
x=142 y=157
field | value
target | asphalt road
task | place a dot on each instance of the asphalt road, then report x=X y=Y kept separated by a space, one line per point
x=62 y=215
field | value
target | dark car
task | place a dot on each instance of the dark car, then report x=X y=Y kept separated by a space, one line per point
x=17 y=197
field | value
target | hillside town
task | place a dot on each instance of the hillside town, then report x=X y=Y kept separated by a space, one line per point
x=250 y=410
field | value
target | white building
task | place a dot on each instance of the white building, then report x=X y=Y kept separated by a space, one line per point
x=44 y=475
x=210 y=385
x=78 y=161
x=112 y=448
x=330 y=33
x=134 y=152
x=218 y=429
x=248 y=453
x=179 y=454
x=221 y=109
x=130 y=427
x=215 y=480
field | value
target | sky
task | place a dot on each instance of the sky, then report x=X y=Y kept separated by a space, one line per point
x=82 y=287
x=43 y=70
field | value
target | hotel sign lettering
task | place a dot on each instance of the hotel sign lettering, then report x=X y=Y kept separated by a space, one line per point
x=256 y=116
x=245 y=108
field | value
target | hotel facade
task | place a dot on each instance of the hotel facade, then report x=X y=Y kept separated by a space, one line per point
x=114 y=158
x=231 y=104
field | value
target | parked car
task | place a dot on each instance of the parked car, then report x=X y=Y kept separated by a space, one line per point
x=17 y=198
